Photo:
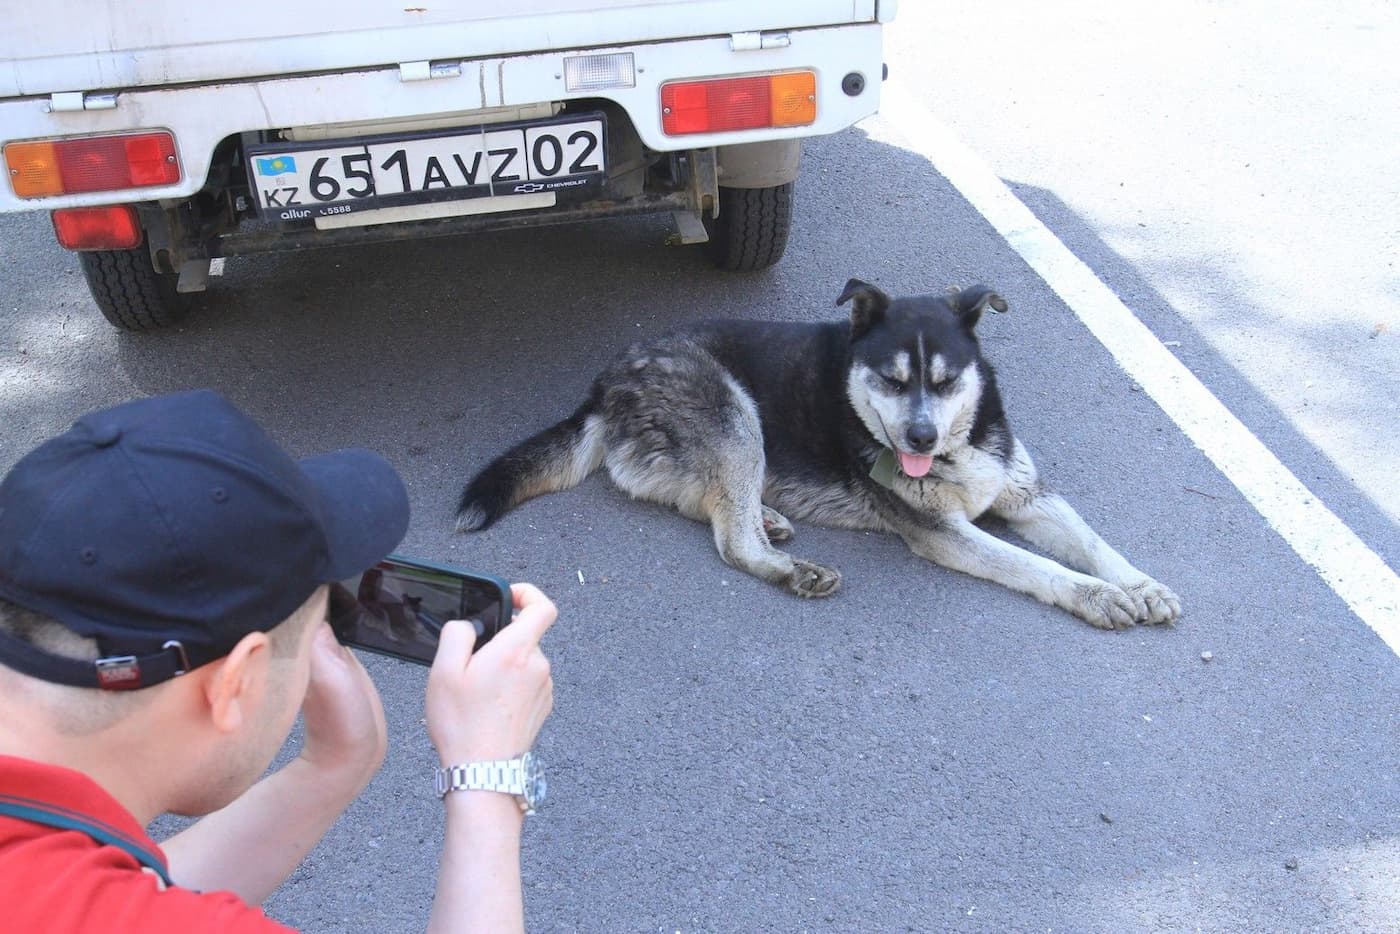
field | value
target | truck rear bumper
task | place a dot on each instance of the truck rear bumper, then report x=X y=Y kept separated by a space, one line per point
x=269 y=239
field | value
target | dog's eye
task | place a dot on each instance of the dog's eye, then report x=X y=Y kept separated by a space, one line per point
x=944 y=386
x=893 y=382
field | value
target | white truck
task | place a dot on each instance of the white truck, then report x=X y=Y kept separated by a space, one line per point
x=167 y=134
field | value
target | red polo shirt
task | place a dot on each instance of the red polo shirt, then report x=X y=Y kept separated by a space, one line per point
x=58 y=880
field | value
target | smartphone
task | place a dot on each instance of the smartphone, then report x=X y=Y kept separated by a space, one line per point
x=399 y=606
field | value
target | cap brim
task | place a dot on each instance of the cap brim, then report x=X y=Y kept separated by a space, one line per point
x=364 y=508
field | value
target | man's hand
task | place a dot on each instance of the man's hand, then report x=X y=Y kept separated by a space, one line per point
x=491 y=704
x=251 y=845
x=345 y=732
x=481 y=707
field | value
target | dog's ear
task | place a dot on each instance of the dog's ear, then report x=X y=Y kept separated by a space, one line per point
x=869 y=307
x=970 y=303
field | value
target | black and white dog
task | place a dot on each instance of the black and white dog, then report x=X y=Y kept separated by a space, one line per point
x=892 y=422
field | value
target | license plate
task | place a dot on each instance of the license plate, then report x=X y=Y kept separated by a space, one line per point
x=305 y=181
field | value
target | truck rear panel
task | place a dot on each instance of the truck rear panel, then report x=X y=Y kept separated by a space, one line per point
x=85 y=45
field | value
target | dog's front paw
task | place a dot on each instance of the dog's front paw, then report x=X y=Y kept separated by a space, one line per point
x=813 y=580
x=776 y=526
x=1153 y=602
x=1101 y=604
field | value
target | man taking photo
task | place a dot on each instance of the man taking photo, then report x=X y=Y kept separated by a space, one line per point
x=163 y=587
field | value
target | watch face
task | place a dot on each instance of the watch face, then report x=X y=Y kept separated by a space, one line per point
x=535 y=785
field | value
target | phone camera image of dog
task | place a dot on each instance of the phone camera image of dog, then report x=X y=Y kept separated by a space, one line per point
x=889 y=422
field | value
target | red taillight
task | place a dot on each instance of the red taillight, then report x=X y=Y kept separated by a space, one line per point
x=114 y=227
x=715 y=106
x=97 y=163
x=723 y=104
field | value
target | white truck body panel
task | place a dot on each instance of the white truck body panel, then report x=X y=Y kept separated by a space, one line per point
x=200 y=115
x=95 y=45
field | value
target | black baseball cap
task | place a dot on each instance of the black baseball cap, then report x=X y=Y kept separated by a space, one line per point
x=168 y=528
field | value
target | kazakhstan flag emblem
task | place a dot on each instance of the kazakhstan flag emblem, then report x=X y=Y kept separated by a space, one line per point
x=277 y=165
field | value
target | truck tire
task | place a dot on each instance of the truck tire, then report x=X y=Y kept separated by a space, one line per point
x=751 y=231
x=129 y=292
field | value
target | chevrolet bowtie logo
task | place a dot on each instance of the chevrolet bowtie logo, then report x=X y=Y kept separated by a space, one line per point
x=529 y=187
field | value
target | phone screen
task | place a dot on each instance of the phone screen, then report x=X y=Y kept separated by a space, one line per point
x=398 y=607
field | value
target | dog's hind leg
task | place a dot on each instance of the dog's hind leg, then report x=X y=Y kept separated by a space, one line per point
x=1047 y=521
x=743 y=536
x=743 y=526
x=682 y=432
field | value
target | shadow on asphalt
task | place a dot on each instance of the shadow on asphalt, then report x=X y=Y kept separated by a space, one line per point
x=1272 y=427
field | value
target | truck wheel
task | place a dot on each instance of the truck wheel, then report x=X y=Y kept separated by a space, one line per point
x=751 y=231
x=129 y=292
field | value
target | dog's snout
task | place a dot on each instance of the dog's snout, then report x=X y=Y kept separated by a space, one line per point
x=921 y=437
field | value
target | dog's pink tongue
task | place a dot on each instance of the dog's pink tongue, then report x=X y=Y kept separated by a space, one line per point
x=915 y=465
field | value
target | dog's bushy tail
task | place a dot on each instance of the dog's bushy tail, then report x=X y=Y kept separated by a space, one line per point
x=556 y=459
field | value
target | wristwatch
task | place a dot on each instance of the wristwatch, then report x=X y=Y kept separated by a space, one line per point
x=522 y=777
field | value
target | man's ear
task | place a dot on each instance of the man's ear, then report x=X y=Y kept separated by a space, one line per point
x=969 y=303
x=869 y=307
x=233 y=679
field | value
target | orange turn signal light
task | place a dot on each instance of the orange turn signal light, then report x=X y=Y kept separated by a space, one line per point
x=96 y=163
x=794 y=98
x=722 y=104
x=33 y=169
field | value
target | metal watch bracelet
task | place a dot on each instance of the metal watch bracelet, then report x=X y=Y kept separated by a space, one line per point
x=521 y=777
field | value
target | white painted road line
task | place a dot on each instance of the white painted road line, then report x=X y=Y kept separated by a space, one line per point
x=1353 y=571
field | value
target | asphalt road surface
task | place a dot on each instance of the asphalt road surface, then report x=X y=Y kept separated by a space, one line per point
x=924 y=751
